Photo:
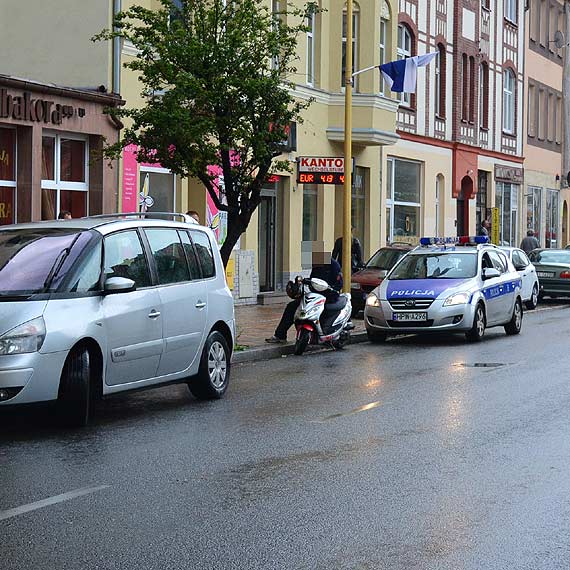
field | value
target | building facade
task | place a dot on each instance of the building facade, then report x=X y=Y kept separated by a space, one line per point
x=461 y=147
x=545 y=201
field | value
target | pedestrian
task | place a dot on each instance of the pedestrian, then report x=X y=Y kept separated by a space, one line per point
x=356 y=261
x=194 y=214
x=529 y=242
x=64 y=215
x=325 y=268
x=484 y=229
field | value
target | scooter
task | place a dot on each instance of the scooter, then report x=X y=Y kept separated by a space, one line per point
x=319 y=322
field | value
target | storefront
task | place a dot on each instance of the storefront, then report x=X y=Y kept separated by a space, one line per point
x=51 y=141
x=508 y=182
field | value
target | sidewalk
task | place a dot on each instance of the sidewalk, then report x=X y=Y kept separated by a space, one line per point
x=255 y=323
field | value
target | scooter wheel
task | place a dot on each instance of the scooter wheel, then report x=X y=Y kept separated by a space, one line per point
x=302 y=341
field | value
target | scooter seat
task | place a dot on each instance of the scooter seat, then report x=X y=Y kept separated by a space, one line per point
x=336 y=306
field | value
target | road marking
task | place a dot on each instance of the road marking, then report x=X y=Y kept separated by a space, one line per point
x=51 y=501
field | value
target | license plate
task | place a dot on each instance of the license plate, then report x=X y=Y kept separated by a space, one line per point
x=545 y=273
x=409 y=317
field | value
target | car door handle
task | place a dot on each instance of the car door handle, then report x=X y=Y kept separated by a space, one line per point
x=154 y=314
x=200 y=305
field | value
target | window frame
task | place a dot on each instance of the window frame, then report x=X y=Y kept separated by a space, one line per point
x=484 y=96
x=355 y=38
x=152 y=254
x=509 y=102
x=440 y=80
x=382 y=50
x=202 y=273
x=511 y=11
x=404 y=32
x=311 y=33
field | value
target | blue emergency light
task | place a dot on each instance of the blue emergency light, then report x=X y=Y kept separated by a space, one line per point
x=462 y=240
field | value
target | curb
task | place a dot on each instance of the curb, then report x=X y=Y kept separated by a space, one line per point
x=259 y=353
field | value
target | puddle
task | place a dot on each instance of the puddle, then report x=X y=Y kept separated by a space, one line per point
x=479 y=364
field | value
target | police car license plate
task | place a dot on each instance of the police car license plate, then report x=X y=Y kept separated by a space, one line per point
x=409 y=316
x=545 y=273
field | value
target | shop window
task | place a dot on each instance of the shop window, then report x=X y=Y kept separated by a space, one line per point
x=358 y=213
x=481 y=198
x=404 y=199
x=533 y=203
x=7 y=176
x=551 y=236
x=310 y=212
x=64 y=176
x=157 y=186
x=506 y=200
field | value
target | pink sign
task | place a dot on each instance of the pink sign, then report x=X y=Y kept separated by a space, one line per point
x=130 y=179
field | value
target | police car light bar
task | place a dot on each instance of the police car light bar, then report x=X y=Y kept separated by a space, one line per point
x=462 y=240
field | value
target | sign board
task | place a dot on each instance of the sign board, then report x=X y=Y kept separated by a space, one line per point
x=230 y=273
x=320 y=170
x=495 y=225
x=25 y=108
x=509 y=174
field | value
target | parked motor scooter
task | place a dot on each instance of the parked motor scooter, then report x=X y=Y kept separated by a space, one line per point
x=319 y=322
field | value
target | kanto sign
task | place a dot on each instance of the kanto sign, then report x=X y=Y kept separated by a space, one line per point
x=321 y=164
x=25 y=108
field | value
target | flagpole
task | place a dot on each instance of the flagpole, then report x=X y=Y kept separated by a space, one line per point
x=347 y=222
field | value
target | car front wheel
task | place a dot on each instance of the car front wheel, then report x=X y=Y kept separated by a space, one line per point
x=214 y=372
x=73 y=402
x=515 y=324
x=475 y=334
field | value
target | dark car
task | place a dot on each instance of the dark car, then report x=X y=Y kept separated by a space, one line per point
x=553 y=271
x=374 y=272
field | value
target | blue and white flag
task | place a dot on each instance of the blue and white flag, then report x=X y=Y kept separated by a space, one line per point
x=401 y=75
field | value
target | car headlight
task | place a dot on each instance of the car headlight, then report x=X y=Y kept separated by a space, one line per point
x=354 y=285
x=457 y=299
x=372 y=300
x=24 y=338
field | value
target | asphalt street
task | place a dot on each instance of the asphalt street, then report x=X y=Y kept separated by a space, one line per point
x=423 y=453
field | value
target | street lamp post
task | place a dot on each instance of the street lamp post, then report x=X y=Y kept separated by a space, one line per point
x=347 y=225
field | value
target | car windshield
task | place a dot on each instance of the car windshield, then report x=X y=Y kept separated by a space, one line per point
x=36 y=260
x=436 y=266
x=385 y=258
x=551 y=256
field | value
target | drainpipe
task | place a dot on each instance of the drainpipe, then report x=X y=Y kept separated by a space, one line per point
x=117 y=89
x=566 y=97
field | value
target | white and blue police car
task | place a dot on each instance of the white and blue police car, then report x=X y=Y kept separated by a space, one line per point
x=459 y=284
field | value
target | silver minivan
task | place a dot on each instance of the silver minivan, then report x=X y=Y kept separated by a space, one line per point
x=100 y=305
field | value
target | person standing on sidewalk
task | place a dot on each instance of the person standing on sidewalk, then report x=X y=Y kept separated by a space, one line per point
x=356 y=261
x=529 y=242
x=325 y=268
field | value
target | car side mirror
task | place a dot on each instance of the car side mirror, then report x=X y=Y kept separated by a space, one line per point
x=119 y=285
x=490 y=273
x=520 y=267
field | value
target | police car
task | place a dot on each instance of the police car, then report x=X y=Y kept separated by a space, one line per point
x=459 y=284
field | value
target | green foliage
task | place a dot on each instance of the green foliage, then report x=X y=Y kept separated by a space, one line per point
x=214 y=79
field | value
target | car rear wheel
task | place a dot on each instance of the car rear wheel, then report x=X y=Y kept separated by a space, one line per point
x=214 y=372
x=515 y=324
x=533 y=301
x=74 y=401
x=478 y=329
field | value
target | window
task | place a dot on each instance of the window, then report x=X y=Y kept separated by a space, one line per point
x=276 y=14
x=382 y=49
x=531 y=110
x=311 y=49
x=358 y=213
x=465 y=89
x=534 y=20
x=354 y=45
x=508 y=101
x=64 y=175
x=484 y=96
x=551 y=131
x=481 y=198
x=158 y=186
x=543 y=35
x=520 y=260
x=533 y=203
x=404 y=51
x=506 y=199
x=551 y=237
x=204 y=251
x=542 y=114
x=440 y=81
x=87 y=277
x=511 y=10
x=7 y=176
x=169 y=256
x=472 y=89
x=193 y=263
x=124 y=257
x=499 y=261
x=559 y=120
x=310 y=212
x=403 y=198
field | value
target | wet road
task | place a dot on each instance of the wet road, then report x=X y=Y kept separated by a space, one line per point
x=406 y=456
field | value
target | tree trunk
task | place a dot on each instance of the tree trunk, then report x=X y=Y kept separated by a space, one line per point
x=236 y=226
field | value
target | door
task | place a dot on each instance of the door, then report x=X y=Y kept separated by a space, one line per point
x=182 y=295
x=506 y=292
x=267 y=240
x=463 y=206
x=132 y=321
x=526 y=270
x=491 y=292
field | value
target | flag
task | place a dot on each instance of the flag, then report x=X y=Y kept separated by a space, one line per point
x=401 y=75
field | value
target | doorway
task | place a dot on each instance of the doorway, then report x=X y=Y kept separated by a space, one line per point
x=463 y=206
x=565 y=224
x=267 y=239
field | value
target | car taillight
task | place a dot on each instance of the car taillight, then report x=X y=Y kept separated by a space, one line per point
x=565 y=275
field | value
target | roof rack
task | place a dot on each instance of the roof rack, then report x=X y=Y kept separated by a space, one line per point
x=147 y=215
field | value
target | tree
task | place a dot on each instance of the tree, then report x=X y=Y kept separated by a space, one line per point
x=214 y=80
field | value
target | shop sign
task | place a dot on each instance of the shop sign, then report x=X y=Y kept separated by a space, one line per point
x=6 y=206
x=24 y=108
x=512 y=174
x=320 y=170
x=495 y=225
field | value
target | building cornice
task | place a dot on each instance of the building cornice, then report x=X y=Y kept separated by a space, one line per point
x=368 y=137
